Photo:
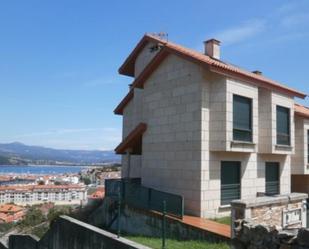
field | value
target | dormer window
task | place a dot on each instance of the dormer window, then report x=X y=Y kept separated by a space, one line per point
x=242 y=119
x=283 y=126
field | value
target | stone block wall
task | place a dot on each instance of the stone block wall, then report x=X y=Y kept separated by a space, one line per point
x=265 y=124
x=214 y=118
x=282 y=211
x=250 y=235
x=146 y=55
x=171 y=157
x=300 y=158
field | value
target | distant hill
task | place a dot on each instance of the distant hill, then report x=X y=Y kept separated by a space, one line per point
x=4 y=160
x=18 y=153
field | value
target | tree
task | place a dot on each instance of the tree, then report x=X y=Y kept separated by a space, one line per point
x=54 y=213
x=86 y=180
x=33 y=217
x=4 y=161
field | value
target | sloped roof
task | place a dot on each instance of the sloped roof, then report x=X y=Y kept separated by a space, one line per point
x=212 y=64
x=10 y=208
x=119 y=109
x=131 y=140
x=301 y=110
x=20 y=188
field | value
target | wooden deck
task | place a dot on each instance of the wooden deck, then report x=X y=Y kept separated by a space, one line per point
x=208 y=225
x=203 y=224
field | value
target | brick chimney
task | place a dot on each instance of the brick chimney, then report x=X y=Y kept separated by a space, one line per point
x=212 y=48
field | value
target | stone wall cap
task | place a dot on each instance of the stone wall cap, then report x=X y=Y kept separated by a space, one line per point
x=269 y=200
x=128 y=243
x=298 y=196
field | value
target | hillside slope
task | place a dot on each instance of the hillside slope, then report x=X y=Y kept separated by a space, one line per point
x=18 y=151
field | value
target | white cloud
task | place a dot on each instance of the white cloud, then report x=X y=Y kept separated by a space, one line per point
x=242 y=32
x=294 y=14
x=106 y=81
x=63 y=131
x=74 y=138
x=296 y=19
x=292 y=6
x=98 y=82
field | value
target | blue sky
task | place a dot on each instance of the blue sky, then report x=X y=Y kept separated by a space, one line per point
x=59 y=59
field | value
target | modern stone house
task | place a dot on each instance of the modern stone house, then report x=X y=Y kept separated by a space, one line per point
x=203 y=128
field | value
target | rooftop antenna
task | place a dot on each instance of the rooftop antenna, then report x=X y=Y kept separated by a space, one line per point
x=161 y=35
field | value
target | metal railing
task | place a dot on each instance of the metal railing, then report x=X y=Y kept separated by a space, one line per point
x=136 y=195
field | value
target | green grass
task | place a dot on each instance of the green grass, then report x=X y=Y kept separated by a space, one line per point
x=223 y=220
x=156 y=243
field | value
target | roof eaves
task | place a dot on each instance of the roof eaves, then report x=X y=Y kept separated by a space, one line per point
x=196 y=57
x=127 y=68
x=260 y=81
x=301 y=110
x=140 y=80
x=119 y=109
x=152 y=65
x=136 y=132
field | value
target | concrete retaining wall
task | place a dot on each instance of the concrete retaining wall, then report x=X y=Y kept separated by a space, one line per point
x=141 y=222
x=23 y=242
x=68 y=233
x=2 y=246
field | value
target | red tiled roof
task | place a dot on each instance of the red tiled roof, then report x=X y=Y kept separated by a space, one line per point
x=39 y=187
x=131 y=139
x=10 y=208
x=98 y=194
x=301 y=110
x=213 y=65
x=3 y=217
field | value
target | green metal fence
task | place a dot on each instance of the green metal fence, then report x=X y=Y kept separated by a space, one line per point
x=136 y=195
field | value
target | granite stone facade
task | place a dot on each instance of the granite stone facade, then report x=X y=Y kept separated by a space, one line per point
x=188 y=110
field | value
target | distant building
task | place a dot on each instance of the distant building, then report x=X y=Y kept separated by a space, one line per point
x=102 y=176
x=9 y=180
x=34 y=194
x=98 y=175
x=98 y=194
